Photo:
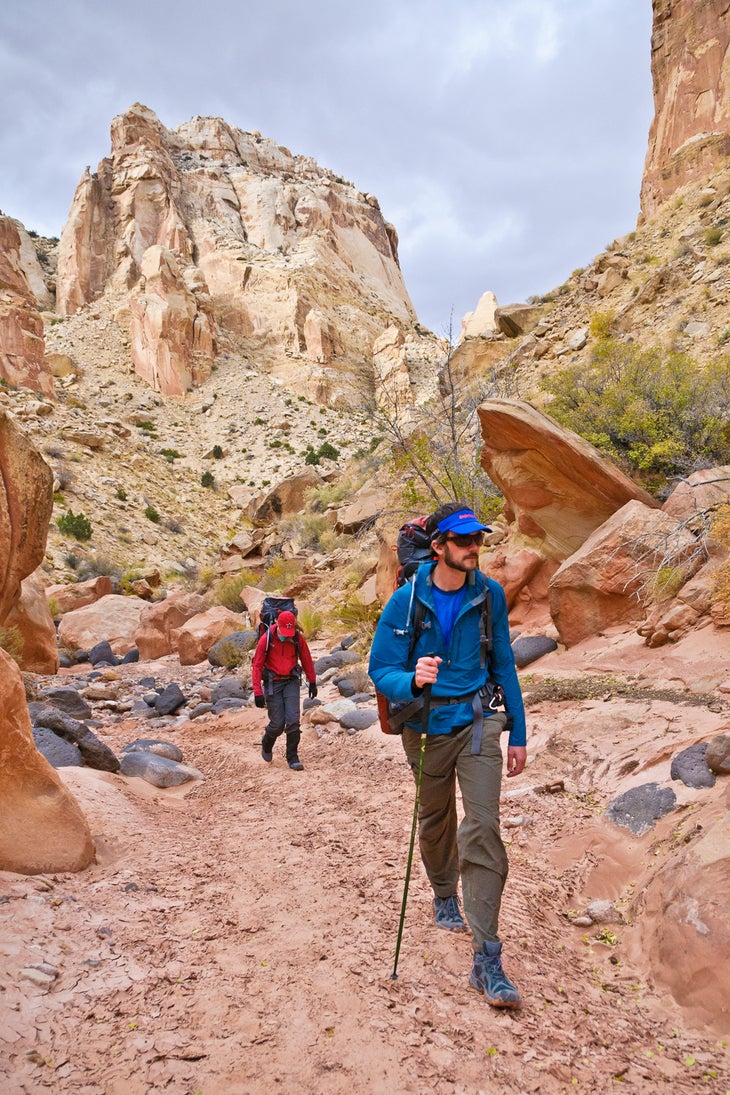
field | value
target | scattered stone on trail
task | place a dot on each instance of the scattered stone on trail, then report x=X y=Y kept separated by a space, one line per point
x=157 y=746
x=359 y=719
x=234 y=645
x=102 y=653
x=338 y=708
x=68 y=700
x=529 y=648
x=603 y=911
x=200 y=709
x=42 y=976
x=170 y=700
x=58 y=752
x=346 y=688
x=638 y=808
x=229 y=688
x=159 y=771
x=717 y=756
x=690 y=766
x=130 y=657
x=336 y=659
x=229 y=703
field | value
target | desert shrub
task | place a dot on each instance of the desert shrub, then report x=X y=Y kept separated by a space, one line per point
x=667 y=582
x=11 y=641
x=712 y=236
x=319 y=498
x=229 y=655
x=207 y=479
x=217 y=452
x=357 y=617
x=227 y=591
x=311 y=622
x=307 y=528
x=152 y=515
x=121 y=494
x=95 y=565
x=54 y=608
x=75 y=524
x=279 y=574
x=64 y=476
x=170 y=454
x=657 y=412
x=601 y=324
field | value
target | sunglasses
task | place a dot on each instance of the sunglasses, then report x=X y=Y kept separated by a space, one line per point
x=466 y=539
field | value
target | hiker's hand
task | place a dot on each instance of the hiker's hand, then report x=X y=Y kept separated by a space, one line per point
x=260 y=701
x=427 y=670
x=312 y=690
x=516 y=759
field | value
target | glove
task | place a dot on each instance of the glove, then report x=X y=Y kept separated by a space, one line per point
x=260 y=701
x=312 y=690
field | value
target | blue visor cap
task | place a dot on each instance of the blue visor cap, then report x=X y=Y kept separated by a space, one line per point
x=462 y=521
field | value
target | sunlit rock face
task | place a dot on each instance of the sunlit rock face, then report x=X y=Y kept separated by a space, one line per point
x=22 y=346
x=690 y=64
x=225 y=240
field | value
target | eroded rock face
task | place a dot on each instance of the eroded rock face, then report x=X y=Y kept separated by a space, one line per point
x=26 y=504
x=113 y=618
x=558 y=488
x=41 y=827
x=32 y=617
x=22 y=346
x=602 y=585
x=690 y=133
x=288 y=260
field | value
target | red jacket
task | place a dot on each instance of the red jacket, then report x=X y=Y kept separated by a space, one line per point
x=281 y=658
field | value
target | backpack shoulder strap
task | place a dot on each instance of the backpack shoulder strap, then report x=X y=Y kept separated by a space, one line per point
x=486 y=641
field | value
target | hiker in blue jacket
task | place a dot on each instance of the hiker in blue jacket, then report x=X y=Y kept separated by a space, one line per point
x=463 y=738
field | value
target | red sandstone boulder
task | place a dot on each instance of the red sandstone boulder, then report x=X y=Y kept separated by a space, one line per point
x=112 y=618
x=26 y=504
x=32 y=617
x=42 y=828
x=67 y=598
x=602 y=584
x=196 y=637
x=698 y=492
x=558 y=488
x=156 y=636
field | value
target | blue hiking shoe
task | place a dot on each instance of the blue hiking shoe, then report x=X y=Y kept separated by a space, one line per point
x=487 y=976
x=447 y=914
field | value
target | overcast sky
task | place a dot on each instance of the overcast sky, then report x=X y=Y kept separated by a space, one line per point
x=505 y=139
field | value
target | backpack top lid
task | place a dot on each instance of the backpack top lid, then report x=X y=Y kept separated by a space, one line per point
x=413 y=547
x=286 y=624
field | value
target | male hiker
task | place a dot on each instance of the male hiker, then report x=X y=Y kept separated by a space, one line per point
x=463 y=733
x=276 y=674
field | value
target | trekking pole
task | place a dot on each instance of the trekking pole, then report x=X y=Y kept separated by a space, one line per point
x=424 y=731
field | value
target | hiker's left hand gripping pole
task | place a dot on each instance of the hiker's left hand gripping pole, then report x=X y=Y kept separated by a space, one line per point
x=424 y=730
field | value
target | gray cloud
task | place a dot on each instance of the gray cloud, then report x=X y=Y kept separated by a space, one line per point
x=505 y=139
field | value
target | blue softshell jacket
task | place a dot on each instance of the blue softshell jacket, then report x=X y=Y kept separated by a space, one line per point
x=460 y=673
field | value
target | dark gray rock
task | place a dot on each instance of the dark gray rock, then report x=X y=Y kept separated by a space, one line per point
x=159 y=771
x=102 y=653
x=717 y=756
x=68 y=700
x=228 y=688
x=95 y=753
x=65 y=660
x=44 y=714
x=80 y=656
x=363 y=697
x=131 y=656
x=308 y=704
x=58 y=752
x=141 y=710
x=690 y=767
x=229 y=703
x=348 y=641
x=239 y=641
x=155 y=745
x=359 y=719
x=530 y=648
x=336 y=660
x=200 y=709
x=147 y=682
x=171 y=699
x=346 y=688
x=638 y=808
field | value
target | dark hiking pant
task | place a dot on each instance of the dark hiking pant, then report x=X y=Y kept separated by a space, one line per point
x=282 y=705
x=474 y=850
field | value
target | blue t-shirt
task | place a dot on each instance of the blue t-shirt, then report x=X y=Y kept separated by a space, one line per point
x=447 y=603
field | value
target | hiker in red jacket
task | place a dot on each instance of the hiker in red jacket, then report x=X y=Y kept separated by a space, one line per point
x=276 y=674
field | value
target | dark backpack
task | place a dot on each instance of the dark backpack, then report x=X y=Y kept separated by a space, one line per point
x=412 y=547
x=270 y=610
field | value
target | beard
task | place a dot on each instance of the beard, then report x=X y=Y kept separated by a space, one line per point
x=464 y=561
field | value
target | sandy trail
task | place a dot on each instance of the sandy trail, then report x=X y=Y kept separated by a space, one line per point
x=244 y=936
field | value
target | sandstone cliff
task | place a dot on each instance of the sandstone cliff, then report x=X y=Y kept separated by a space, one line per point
x=255 y=251
x=690 y=133
x=22 y=346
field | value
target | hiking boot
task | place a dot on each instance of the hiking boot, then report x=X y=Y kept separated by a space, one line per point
x=266 y=750
x=295 y=764
x=447 y=914
x=487 y=976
